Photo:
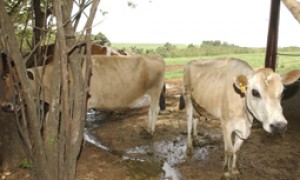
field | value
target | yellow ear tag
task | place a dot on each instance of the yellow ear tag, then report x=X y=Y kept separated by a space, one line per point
x=243 y=88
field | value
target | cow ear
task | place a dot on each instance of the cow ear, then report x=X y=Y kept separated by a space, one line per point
x=241 y=83
x=290 y=77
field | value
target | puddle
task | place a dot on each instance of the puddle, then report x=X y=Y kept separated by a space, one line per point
x=171 y=152
x=89 y=137
x=171 y=172
x=95 y=115
x=166 y=154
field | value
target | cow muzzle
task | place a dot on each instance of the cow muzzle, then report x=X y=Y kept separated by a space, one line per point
x=9 y=107
x=278 y=128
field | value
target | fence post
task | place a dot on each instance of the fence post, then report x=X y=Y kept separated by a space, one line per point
x=271 y=50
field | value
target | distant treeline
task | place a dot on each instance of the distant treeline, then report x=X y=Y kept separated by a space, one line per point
x=206 y=48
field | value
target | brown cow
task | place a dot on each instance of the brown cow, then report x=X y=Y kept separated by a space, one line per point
x=47 y=51
x=230 y=90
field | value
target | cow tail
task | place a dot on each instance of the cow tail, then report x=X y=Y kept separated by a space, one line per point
x=181 y=102
x=162 y=98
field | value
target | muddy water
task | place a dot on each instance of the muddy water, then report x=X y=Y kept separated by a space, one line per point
x=159 y=157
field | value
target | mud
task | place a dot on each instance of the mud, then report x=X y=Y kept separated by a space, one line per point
x=263 y=156
x=114 y=148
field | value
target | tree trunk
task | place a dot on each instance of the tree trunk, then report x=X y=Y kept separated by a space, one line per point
x=12 y=151
x=11 y=146
x=54 y=142
x=9 y=38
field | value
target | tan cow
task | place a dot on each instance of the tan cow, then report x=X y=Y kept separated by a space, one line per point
x=117 y=82
x=230 y=90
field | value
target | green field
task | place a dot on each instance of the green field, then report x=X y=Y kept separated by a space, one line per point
x=255 y=56
x=143 y=45
x=256 y=60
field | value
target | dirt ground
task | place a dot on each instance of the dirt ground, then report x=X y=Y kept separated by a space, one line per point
x=119 y=151
x=262 y=156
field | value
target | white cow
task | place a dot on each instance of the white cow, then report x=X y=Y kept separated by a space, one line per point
x=117 y=82
x=230 y=90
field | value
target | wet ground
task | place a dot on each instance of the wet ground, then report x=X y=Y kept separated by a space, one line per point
x=115 y=149
x=118 y=151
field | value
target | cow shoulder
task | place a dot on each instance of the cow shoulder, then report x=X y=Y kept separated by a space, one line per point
x=155 y=70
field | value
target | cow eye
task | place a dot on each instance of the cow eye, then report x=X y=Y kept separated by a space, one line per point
x=255 y=93
x=30 y=75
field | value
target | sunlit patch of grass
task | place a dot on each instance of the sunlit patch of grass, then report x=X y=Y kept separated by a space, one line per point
x=174 y=74
x=143 y=45
x=255 y=60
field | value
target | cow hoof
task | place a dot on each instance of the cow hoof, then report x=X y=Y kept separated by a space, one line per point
x=145 y=134
x=226 y=176
x=225 y=168
x=189 y=151
x=231 y=176
x=235 y=177
x=235 y=174
x=201 y=142
x=164 y=112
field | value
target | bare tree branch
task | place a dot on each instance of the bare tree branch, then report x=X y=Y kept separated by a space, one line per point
x=8 y=36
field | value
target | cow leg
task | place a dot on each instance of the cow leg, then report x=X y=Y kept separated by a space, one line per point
x=153 y=111
x=195 y=124
x=228 y=147
x=162 y=99
x=236 y=148
x=189 y=112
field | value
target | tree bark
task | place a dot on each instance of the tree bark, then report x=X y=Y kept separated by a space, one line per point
x=38 y=21
x=54 y=142
x=11 y=147
x=8 y=36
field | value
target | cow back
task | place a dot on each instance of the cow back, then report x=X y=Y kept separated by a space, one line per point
x=116 y=82
x=211 y=84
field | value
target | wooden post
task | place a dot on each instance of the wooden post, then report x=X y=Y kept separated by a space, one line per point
x=271 y=50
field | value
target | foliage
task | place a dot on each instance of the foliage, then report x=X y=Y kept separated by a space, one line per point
x=206 y=48
x=18 y=10
x=131 y=4
x=26 y=164
x=29 y=18
x=101 y=39
x=136 y=50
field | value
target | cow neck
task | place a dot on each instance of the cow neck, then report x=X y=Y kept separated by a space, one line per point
x=249 y=114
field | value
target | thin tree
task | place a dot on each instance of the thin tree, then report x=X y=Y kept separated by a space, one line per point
x=53 y=144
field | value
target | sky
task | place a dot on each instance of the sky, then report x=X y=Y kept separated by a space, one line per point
x=240 y=22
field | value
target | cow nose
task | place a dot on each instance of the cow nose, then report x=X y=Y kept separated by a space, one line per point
x=7 y=107
x=278 y=128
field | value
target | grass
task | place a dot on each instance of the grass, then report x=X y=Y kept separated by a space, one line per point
x=143 y=45
x=256 y=60
x=174 y=74
x=284 y=63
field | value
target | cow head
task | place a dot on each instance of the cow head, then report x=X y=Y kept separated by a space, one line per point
x=263 y=91
x=10 y=94
x=10 y=101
